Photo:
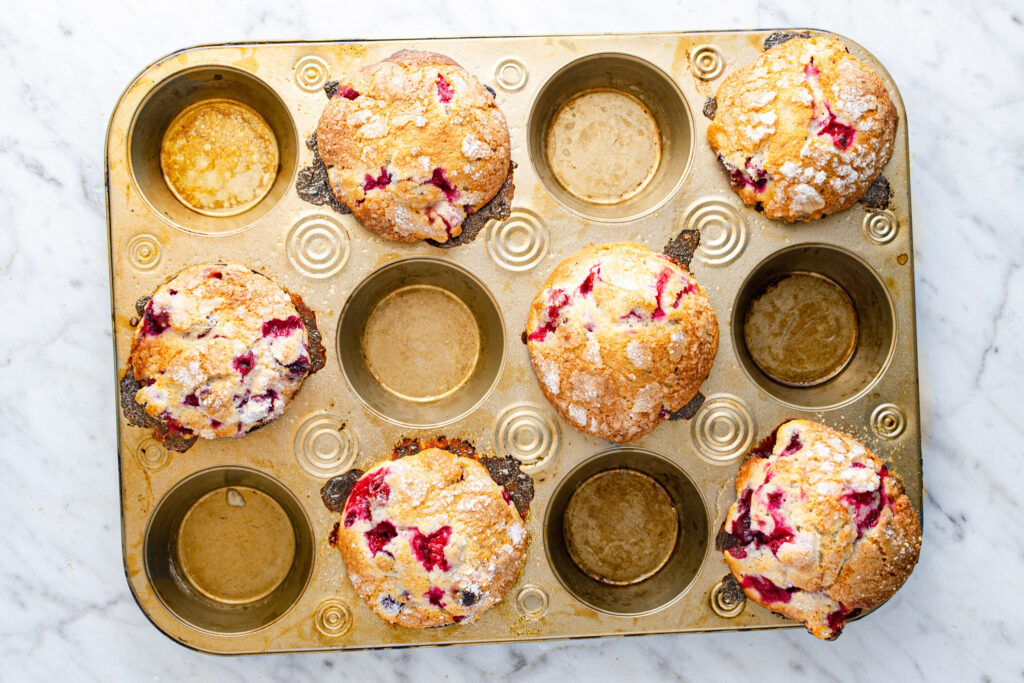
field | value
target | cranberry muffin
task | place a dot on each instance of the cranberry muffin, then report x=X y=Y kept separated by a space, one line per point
x=430 y=539
x=821 y=528
x=804 y=129
x=219 y=350
x=412 y=145
x=620 y=337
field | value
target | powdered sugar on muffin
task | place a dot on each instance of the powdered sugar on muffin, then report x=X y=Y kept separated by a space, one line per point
x=821 y=528
x=619 y=337
x=804 y=129
x=414 y=144
x=430 y=539
x=219 y=350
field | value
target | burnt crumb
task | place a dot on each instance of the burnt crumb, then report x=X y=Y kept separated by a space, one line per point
x=459 y=447
x=524 y=336
x=759 y=207
x=490 y=90
x=878 y=195
x=499 y=208
x=779 y=37
x=313 y=185
x=463 y=449
x=519 y=485
x=332 y=538
x=317 y=352
x=732 y=592
x=136 y=414
x=681 y=247
x=140 y=307
x=335 y=492
x=710 y=108
x=724 y=540
x=765 y=447
x=689 y=410
x=331 y=88
x=405 y=448
x=466 y=598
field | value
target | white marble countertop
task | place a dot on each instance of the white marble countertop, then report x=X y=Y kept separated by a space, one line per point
x=64 y=601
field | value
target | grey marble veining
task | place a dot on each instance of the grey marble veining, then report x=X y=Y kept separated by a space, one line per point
x=64 y=602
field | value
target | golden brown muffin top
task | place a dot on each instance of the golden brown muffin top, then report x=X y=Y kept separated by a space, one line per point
x=821 y=528
x=620 y=336
x=430 y=539
x=413 y=144
x=219 y=350
x=804 y=129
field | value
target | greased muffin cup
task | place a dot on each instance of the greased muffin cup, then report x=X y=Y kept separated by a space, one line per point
x=609 y=138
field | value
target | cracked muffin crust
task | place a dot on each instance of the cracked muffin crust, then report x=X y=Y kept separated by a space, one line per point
x=412 y=145
x=620 y=337
x=219 y=350
x=430 y=539
x=821 y=529
x=804 y=129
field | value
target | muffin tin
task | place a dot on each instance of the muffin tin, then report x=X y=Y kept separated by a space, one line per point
x=205 y=531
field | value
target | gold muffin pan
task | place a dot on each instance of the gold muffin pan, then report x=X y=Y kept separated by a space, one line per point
x=226 y=545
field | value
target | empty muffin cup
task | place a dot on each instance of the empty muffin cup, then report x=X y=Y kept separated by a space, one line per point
x=212 y=149
x=610 y=136
x=228 y=550
x=801 y=330
x=626 y=532
x=813 y=326
x=421 y=342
